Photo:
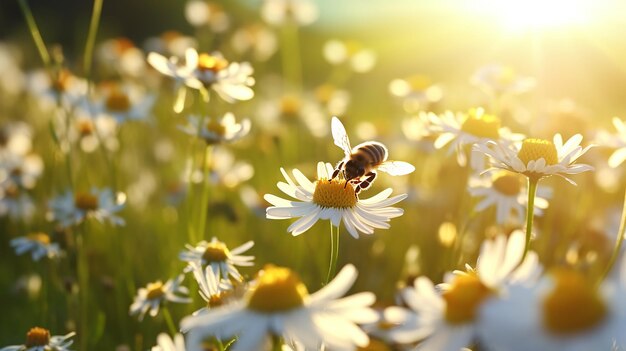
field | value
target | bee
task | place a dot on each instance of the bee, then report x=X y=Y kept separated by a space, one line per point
x=360 y=163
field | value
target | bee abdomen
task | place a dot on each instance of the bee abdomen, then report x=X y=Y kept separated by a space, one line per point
x=376 y=151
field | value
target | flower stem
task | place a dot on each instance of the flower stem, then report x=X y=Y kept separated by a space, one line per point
x=334 y=253
x=619 y=240
x=207 y=159
x=290 y=57
x=34 y=32
x=530 y=209
x=168 y=319
x=83 y=286
x=91 y=37
x=277 y=343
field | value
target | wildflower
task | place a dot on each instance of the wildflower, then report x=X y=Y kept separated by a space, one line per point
x=417 y=92
x=255 y=39
x=124 y=103
x=619 y=142
x=213 y=291
x=38 y=244
x=359 y=59
x=448 y=321
x=538 y=158
x=73 y=208
x=16 y=203
x=120 y=57
x=12 y=78
x=200 y=13
x=166 y=343
x=20 y=170
x=62 y=87
x=150 y=298
x=507 y=192
x=16 y=139
x=170 y=43
x=496 y=80
x=331 y=199
x=39 y=339
x=222 y=168
x=279 y=12
x=279 y=304
x=214 y=131
x=216 y=254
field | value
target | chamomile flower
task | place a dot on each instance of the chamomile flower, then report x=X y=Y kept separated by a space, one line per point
x=62 y=87
x=123 y=103
x=222 y=167
x=446 y=318
x=213 y=291
x=150 y=298
x=166 y=343
x=619 y=142
x=255 y=39
x=214 y=130
x=38 y=244
x=120 y=57
x=16 y=203
x=39 y=339
x=506 y=191
x=333 y=200
x=216 y=254
x=279 y=304
x=538 y=158
x=73 y=208
x=466 y=129
x=279 y=12
x=200 y=13
x=22 y=171
x=496 y=80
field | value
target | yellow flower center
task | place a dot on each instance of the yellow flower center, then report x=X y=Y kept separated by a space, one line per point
x=62 y=81
x=534 y=149
x=214 y=126
x=86 y=201
x=375 y=345
x=324 y=92
x=155 y=290
x=419 y=82
x=40 y=237
x=506 y=76
x=481 y=125
x=208 y=62
x=277 y=289
x=215 y=252
x=573 y=306
x=37 y=337
x=218 y=299
x=466 y=293
x=334 y=193
x=12 y=192
x=117 y=101
x=507 y=183
x=85 y=127
x=290 y=105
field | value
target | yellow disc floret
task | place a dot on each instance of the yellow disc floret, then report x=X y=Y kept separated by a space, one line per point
x=118 y=101
x=290 y=105
x=466 y=293
x=155 y=290
x=534 y=149
x=334 y=193
x=573 y=305
x=277 y=289
x=481 y=125
x=208 y=62
x=39 y=237
x=215 y=252
x=86 y=201
x=37 y=337
x=216 y=127
x=507 y=183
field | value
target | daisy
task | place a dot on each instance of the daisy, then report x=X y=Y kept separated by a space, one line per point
x=223 y=169
x=20 y=170
x=255 y=39
x=87 y=131
x=333 y=200
x=123 y=103
x=506 y=191
x=73 y=208
x=62 y=87
x=446 y=318
x=120 y=57
x=200 y=13
x=154 y=294
x=279 y=12
x=216 y=254
x=466 y=129
x=166 y=343
x=619 y=142
x=16 y=203
x=497 y=80
x=538 y=158
x=565 y=311
x=170 y=43
x=215 y=131
x=279 y=305
x=213 y=291
x=38 y=244
x=16 y=138
x=39 y=339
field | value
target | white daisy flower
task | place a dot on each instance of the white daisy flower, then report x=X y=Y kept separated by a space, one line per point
x=150 y=298
x=497 y=80
x=279 y=304
x=214 y=131
x=63 y=87
x=538 y=158
x=332 y=200
x=38 y=244
x=166 y=343
x=87 y=131
x=506 y=191
x=213 y=291
x=73 y=208
x=617 y=141
x=200 y=13
x=20 y=170
x=216 y=254
x=124 y=103
x=446 y=318
x=222 y=168
x=170 y=43
x=255 y=39
x=16 y=203
x=16 y=139
x=39 y=339
x=565 y=311
x=120 y=57
x=279 y=12
x=466 y=129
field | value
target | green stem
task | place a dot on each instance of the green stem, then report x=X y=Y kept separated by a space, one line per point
x=207 y=158
x=334 y=253
x=290 y=54
x=277 y=343
x=168 y=319
x=619 y=240
x=34 y=32
x=530 y=209
x=83 y=286
x=91 y=37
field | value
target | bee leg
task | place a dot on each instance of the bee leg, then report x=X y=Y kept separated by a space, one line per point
x=365 y=183
x=337 y=170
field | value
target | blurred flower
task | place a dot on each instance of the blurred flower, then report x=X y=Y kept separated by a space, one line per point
x=417 y=92
x=448 y=320
x=214 y=131
x=213 y=291
x=417 y=129
x=496 y=80
x=38 y=244
x=15 y=139
x=120 y=57
x=87 y=131
x=216 y=254
x=334 y=100
x=12 y=80
x=200 y=13
x=16 y=203
x=279 y=12
x=274 y=113
x=123 y=102
x=222 y=169
x=279 y=304
x=151 y=297
x=333 y=200
x=73 y=208
x=20 y=170
x=256 y=39
x=166 y=343
x=617 y=141
x=466 y=129
x=507 y=192
x=359 y=59
x=253 y=200
x=39 y=339
x=62 y=88
x=170 y=43
x=538 y=158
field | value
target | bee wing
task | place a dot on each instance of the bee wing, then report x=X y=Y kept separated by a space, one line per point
x=396 y=168
x=340 y=136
